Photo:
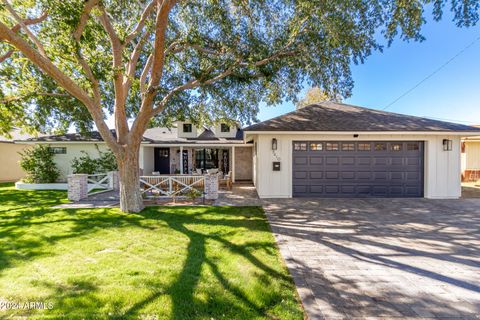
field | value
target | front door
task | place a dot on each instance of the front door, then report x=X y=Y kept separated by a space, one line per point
x=162 y=160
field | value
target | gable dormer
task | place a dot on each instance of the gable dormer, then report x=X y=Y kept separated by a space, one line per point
x=225 y=130
x=187 y=129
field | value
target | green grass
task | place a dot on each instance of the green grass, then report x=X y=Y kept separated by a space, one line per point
x=164 y=263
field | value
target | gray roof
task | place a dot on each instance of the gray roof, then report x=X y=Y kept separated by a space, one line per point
x=333 y=116
x=156 y=135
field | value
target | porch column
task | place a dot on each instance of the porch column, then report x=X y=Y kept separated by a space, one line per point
x=233 y=164
x=181 y=159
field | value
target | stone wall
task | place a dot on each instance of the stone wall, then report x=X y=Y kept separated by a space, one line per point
x=243 y=163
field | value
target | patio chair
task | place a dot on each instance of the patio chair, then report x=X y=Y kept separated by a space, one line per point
x=226 y=180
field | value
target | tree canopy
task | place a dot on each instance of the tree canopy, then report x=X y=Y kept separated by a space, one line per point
x=257 y=50
x=315 y=95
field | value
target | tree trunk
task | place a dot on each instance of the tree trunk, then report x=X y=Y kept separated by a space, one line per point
x=128 y=170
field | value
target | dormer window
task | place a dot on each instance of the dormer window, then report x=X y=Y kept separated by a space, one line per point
x=187 y=127
x=224 y=127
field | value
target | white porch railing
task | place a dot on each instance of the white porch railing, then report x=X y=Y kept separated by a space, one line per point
x=169 y=186
x=99 y=183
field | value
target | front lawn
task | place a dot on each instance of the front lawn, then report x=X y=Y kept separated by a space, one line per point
x=167 y=262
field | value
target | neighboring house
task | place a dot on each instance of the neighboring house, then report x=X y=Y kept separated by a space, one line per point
x=324 y=150
x=471 y=158
x=10 y=169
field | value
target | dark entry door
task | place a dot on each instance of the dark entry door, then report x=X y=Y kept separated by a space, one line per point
x=162 y=160
x=357 y=169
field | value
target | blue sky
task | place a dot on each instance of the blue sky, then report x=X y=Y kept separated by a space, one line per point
x=451 y=94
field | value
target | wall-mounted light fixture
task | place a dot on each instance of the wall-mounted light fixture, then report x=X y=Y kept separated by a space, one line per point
x=274 y=144
x=447 y=145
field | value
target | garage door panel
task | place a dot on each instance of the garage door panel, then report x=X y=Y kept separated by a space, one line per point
x=316 y=175
x=395 y=176
x=393 y=171
x=300 y=189
x=397 y=161
x=348 y=189
x=410 y=161
x=364 y=175
x=380 y=161
x=316 y=160
x=332 y=189
x=380 y=190
x=347 y=160
x=380 y=175
x=396 y=191
x=331 y=175
x=364 y=190
x=364 y=161
x=300 y=160
x=300 y=174
x=332 y=161
x=316 y=189
x=348 y=175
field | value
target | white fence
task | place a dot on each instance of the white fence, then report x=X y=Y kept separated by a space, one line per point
x=170 y=186
x=98 y=183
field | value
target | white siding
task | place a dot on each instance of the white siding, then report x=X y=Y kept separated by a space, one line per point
x=74 y=150
x=219 y=134
x=195 y=131
x=472 y=154
x=148 y=160
x=442 y=168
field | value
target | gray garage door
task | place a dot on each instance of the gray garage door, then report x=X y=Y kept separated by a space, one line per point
x=357 y=169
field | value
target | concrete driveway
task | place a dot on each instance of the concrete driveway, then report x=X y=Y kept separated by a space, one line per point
x=381 y=258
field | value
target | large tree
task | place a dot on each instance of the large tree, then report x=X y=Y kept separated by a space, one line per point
x=75 y=62
x=315 y=95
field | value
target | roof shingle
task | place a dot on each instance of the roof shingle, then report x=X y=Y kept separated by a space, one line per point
x=333 y=116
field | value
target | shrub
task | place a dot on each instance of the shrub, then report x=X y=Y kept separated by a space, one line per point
x=38 y=163
x=86 y=164
x=107 y=162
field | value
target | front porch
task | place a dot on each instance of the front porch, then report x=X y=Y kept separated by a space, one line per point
x=191 y=160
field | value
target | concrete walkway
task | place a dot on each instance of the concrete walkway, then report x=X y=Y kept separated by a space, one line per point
x=382 y=258
x=242 y=194
x=108 y=199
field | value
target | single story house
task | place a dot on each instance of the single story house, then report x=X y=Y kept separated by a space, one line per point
x=470 y=158
x=178 y=150
x=10 y=169
x=323 y=150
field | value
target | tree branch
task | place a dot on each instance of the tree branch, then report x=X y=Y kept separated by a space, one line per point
x=132 y=64
x=119 y=111
x=195 y=83
x=17 y=27
x=77 y=34
x=89 y=5
x=143 y=76
x=141 y=23
x=23 y=26
x=7 y=55
x=30 y=21
x=62 y=79
x=46 y=94
x=158 y=60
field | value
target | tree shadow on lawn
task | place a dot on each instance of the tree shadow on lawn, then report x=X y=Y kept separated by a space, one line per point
x=182 y=290
x=13 y=200
x=78 y=223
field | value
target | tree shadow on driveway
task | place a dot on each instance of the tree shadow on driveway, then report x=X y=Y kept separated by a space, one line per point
x=382 y=257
